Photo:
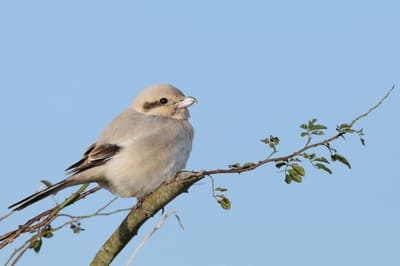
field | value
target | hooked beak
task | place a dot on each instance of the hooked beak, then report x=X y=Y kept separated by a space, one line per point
x=186 y=102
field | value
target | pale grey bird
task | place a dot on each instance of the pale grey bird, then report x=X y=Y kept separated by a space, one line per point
x=140 y=149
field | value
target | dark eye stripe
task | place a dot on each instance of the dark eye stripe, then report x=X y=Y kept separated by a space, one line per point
x=150 y=105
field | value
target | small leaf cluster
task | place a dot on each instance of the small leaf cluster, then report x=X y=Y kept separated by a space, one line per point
x=47 y=232
x=223 y=201
x=242 y=166
x=311 y=128
x=348 y=128
x=272 y=142
x=76 y=228
x=318 y=162
x=292 y=167
x=293 y=170
x=36 y=242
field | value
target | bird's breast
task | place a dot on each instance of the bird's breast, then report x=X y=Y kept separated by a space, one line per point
x=148 y=160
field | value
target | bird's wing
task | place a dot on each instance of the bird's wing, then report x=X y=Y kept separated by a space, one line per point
x=94 y=156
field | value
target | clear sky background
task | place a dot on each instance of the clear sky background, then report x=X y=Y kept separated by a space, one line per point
x=257 y=68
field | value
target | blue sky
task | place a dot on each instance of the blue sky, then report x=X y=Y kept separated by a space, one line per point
x=257 y=68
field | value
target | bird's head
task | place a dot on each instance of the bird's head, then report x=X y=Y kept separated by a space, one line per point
x=163 y=100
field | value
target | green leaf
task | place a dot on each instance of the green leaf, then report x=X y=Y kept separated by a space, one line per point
x=362 y=141
x=48 y=234
x=310 y=157
x=76 y=228
x=272 y=146
x=348 y=130
x=222 y=189
x=47 y=231
x=304 y=126
x=274 y=140
x=318 y=132
x=36 y=245
x=294 y=175
x=343 y=126
x=340 y=158
x=288 y=180
x=299 y=169
x=303 y=134
x=248 y=165
x=323 y=167
x=224 y=202
x=321 y=159
x=311 y=122
x=317 y=127
x=235 y=165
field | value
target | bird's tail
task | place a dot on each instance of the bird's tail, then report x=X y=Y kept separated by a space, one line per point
x=40 y=195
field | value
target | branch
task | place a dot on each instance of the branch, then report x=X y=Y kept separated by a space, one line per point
x=144 y=209
x=151 y=204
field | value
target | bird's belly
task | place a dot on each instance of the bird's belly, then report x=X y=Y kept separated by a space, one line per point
x=139 y=177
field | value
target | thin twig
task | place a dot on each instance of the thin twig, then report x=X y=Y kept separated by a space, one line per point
x=355 y=120
x=148 y=235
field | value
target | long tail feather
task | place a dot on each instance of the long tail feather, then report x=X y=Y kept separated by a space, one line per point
x=40 y=195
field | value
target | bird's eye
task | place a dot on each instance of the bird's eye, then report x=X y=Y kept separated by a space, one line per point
x=163 y=100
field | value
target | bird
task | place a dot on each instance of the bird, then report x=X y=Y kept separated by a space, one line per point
x=144 y=146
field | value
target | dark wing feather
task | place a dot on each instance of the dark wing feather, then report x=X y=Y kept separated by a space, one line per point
x=94 y=156
x=84 y=158
x=52 y=189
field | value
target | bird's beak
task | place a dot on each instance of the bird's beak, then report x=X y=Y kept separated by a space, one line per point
x=186 y=102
